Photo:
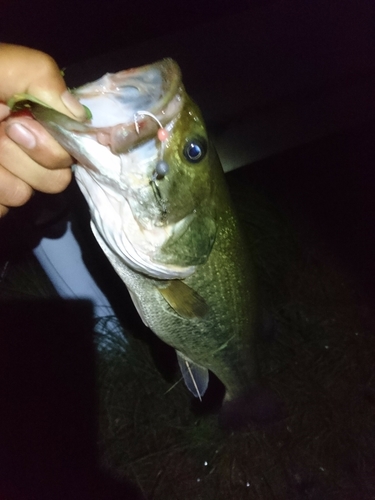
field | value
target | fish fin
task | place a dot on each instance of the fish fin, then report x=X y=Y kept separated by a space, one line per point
x=184 y=300
x=195 y=376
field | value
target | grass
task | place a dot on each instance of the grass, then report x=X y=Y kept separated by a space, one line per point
x=320 y=364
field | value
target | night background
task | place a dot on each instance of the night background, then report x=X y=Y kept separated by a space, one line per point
x=287 y=90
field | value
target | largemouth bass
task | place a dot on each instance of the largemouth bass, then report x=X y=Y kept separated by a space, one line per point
x=162 y=214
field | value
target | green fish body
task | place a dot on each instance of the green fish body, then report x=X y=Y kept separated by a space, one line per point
x=161 y=213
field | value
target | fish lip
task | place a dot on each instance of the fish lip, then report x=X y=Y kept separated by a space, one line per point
x=169 y=70
x=122 y=137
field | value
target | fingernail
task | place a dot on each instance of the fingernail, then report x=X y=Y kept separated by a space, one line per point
x=73 y=105
x=21 y=135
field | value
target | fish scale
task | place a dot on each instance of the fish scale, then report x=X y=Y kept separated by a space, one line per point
x=222 y=341
x=174 y=239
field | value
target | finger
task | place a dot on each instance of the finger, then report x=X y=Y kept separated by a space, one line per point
x=25 y=70
x=21 y=165
x=34 y=140
x=3 y=210
x=4 y=111
x=14 y=192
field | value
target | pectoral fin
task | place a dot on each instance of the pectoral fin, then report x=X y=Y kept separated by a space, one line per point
x=195 y=376
x=184 y=300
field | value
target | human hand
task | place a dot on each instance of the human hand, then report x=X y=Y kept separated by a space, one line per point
x=30 y=159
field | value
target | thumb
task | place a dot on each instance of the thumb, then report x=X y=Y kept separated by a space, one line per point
x=25 y=70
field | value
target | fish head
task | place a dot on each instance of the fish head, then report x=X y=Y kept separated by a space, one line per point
x=145 y=167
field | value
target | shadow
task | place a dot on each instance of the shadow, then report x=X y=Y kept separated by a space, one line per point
x=48 y=406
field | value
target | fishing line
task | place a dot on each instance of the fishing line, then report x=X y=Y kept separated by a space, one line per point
x=162 y=203
x=161 y=167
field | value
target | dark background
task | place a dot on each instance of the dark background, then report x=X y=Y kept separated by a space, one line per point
x=287 y=88
x=75 y=30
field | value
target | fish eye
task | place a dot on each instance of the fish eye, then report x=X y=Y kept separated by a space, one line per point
x=195 y=149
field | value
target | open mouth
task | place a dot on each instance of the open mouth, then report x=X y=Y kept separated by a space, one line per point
x=136 y=103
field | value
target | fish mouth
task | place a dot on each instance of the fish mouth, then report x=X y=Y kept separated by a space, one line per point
x=138 y=102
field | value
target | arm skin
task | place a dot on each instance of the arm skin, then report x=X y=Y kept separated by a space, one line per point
x=30 y=159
